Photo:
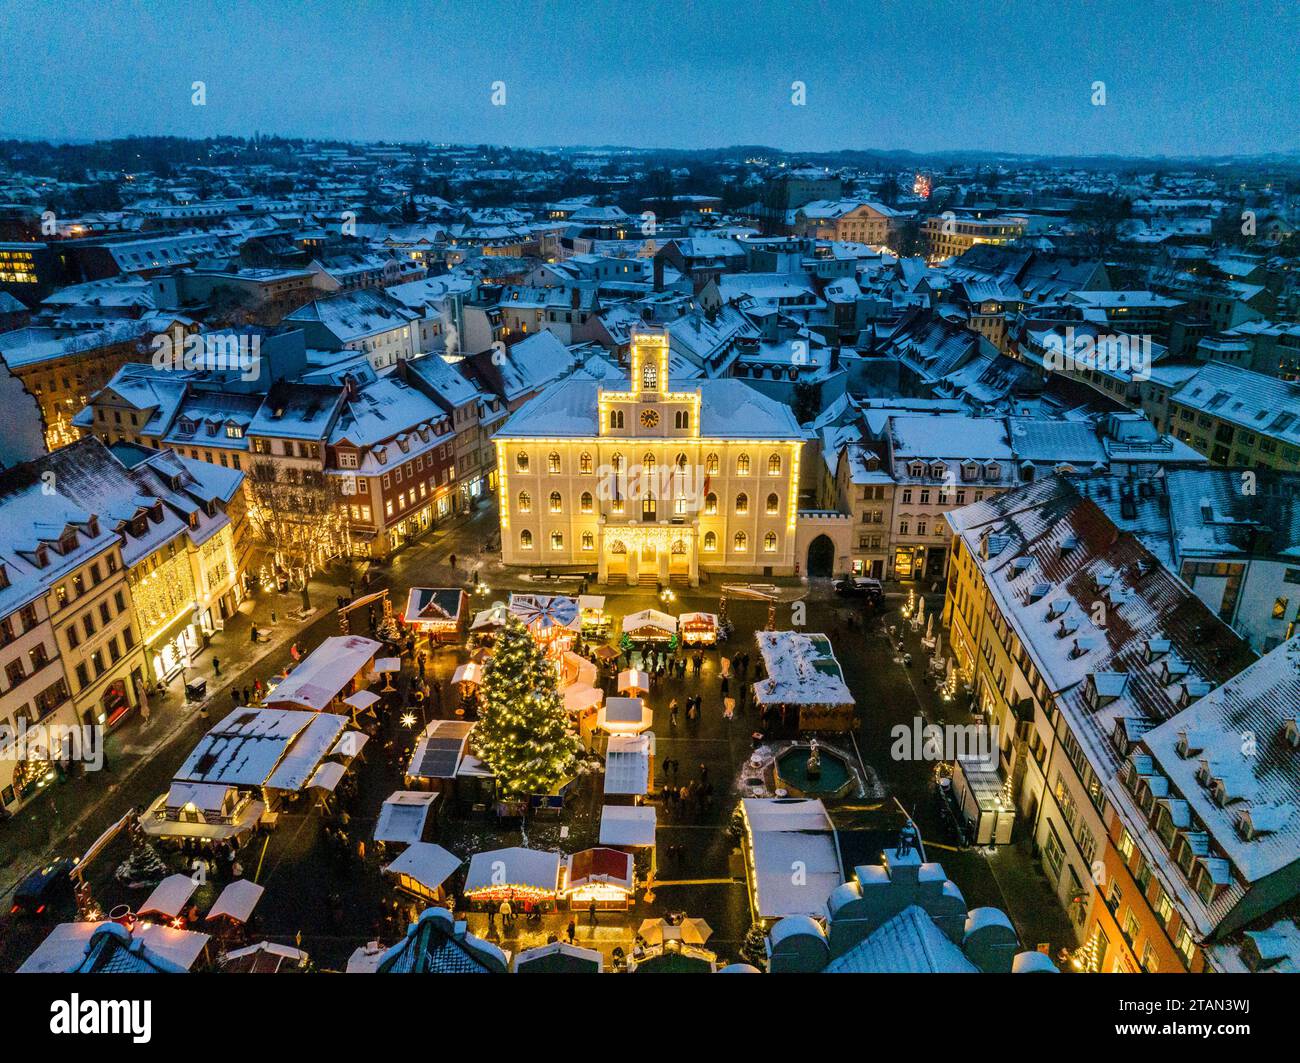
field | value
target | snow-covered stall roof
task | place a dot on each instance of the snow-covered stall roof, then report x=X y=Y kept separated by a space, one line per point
x=784 y=833
x=517 y=866
x=801 y=670
x=627 y=763
x=428 y=864
x=237 y=900
x=627 y=825
x=170 y=896
x=321 y=677
x=402 y=817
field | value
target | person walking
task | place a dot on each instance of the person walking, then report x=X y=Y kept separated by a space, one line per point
x=507 y=915
x=216 y=665
x=672 y=714
x=573 y=931
x=591 y=912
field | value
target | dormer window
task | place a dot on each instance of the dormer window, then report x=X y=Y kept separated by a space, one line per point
x=68 y=541
x=992 y=471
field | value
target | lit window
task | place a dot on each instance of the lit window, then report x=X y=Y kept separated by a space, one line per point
x=710 y=503
x=553 y=462
x=521 y=462
x=711 y=465
x=742 y=503
x=584 y=462
x=774 y=465
x=525 y=502
x=556 y=502
x=557 y=540
x=710 y=542
x=773 y=504
x=742 y=465
x=741 y=541
x=586 y=502
x=588 y=541
x=525 y=540
x=769 y=542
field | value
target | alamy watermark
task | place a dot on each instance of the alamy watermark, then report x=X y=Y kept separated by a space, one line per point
x=213 y=351
x=1119 y=353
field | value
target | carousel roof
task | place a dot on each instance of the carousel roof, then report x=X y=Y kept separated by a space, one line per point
x=546 y=612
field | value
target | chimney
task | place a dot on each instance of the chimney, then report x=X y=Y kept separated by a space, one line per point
x=575 y=298
x=659 y=273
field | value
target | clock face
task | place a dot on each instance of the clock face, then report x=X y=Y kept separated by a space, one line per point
x=649 y=418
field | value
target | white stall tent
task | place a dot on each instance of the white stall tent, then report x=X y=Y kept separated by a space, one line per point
x=237 y=900
x=170 y=896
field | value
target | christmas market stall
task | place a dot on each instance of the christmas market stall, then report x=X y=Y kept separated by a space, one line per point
x=269 y=757
x=141 y=948
x=698 y=629
x=781 y=833
x=404 y=817
x=803 y=682
x=625 y=716
x=338 y=667
x=423 y=869
x=209 y=812
x=168 y=899
x=438 y=612
x=234 y=908
x=650 y=625
x=439 y=755
x=517 y=875
x=603 y=876
x=595 y=621
x=553 y=620
x=629 y=765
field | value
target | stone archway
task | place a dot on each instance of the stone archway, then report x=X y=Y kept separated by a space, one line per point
x=821 y=557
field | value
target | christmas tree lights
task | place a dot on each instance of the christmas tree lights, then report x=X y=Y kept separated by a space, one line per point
x=523 y=733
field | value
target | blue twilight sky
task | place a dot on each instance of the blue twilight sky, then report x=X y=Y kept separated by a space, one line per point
x=1181 y=76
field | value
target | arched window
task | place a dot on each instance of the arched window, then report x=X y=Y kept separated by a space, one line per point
x=525 y=540
x=710 y=503
x=615 y=418
x=521 y=462
x=742 y=465
x=617 y=462
x=769 y=542
x=682 y=419
x=585 y=502
x=773 y=504
x=742 y=503
x=557 y=504
x=741 y=541
x=553 y=462
x=584 y=462
x=588 y=541
x=525 y=502
x=648 y=463
x=681 y=462
x=650 y=375
x=710 y=542
x=774 y=465
x=557 y=540
x=711 y=465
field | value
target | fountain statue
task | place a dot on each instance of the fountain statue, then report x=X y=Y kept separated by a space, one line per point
x=814 y=759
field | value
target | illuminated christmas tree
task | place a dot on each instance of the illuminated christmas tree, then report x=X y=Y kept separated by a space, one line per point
x=523 y=733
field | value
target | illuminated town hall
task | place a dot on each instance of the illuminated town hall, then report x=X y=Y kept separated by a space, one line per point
x=651 y=484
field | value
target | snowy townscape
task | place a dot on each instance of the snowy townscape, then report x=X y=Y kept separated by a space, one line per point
x=426 y=556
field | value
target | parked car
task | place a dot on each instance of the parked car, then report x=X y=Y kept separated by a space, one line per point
x=42 y=887
x=858 y=587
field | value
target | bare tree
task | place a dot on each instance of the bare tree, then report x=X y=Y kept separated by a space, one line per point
x=299 y=516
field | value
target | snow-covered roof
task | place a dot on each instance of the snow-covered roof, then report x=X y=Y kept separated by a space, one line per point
x=801 y=670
